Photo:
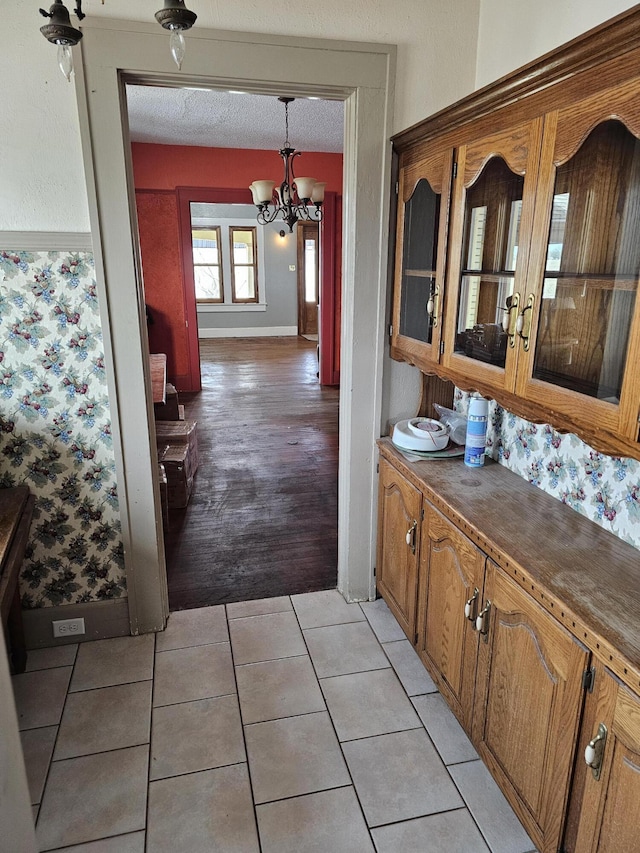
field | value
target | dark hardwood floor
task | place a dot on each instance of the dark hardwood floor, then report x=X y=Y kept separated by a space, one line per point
x=262 y=518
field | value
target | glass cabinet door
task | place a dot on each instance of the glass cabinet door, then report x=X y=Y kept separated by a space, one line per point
x=583 y=347
x=493 y=210
x=423 y=196
x=493 y=202
x=591 y=272
x=419 y=256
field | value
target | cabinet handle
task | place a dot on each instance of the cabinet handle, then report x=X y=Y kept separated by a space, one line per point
x=470 y=607
x=510 y=318
x=523 y=324
x=411 y=536
x=482 y=620
x=594 y=751
x=433 y=305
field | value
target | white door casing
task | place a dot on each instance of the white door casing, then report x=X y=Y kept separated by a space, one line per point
x=361 y=74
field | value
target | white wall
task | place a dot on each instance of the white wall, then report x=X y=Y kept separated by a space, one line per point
x=512 y=34
x=41 y=169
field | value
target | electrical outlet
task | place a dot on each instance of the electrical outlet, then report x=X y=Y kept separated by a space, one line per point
x=68 y=627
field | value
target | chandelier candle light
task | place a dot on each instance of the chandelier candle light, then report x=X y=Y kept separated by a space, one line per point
x=174 y=16
x=295 y=195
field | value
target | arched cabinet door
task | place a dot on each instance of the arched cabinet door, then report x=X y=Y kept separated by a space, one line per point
x=421 y=247
x=399 y=515
x=452 y=572
x=580 y=343
x=492 y=216
x=528 y=699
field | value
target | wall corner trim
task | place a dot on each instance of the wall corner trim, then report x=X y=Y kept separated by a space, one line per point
x=46 y=241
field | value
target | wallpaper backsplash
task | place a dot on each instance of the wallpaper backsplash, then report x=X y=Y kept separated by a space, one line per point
x=605 y=489
x=55 y=427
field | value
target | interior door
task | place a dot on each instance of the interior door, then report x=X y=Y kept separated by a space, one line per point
x=308 y=277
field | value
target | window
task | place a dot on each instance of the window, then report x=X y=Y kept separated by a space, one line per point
x=207 y=264
x=244 y=267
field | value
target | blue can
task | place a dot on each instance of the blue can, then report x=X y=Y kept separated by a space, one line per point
x=476 y=432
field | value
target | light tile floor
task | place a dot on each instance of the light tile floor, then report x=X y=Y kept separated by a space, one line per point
x=296 y=724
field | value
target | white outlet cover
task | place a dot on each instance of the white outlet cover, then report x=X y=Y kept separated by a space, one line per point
x=292 y=267
x=68 y=627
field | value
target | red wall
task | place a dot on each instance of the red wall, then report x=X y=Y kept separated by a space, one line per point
x=162 y=274
x=158 y=170
x=165 y=167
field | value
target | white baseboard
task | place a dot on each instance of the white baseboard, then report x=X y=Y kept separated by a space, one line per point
x=251 y=332
x=102 y=619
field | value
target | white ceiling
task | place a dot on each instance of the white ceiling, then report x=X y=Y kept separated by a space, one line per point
x=232 y=120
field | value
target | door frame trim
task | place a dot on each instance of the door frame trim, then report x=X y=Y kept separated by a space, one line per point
x=113 y=53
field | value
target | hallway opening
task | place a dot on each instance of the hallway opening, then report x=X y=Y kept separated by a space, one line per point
x=262 y=517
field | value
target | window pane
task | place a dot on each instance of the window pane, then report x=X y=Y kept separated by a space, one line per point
x=310 y=271
x=205 y=255
x=207 y=273
x=244 y=283
x=207 y=282
x=242 y=246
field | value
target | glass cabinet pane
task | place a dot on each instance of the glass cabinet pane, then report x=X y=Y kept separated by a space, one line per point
x=593 y=261
x=493 y=209
x=420 y=243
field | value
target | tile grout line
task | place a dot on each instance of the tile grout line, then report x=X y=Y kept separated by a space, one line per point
x=148 y=787
x=195 y=646
x=422 y=726
x=346 y=763
x=55 y=742
x=244 y=738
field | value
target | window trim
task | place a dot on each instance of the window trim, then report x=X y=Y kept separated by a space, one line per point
x=218 y=231
x=235 y=300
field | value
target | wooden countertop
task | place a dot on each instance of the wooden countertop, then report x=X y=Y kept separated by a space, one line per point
x=585 y=576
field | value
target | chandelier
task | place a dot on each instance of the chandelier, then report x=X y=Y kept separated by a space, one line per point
x=174 y=16
x=295 y=196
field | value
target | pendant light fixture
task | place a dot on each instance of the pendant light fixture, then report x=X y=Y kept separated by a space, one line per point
x=174 y=16
x=296 y=198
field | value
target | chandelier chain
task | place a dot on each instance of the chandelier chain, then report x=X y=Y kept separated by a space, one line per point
x=286 y=125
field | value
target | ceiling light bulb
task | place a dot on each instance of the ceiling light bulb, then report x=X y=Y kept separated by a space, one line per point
x=178 y=46
x=65 y=60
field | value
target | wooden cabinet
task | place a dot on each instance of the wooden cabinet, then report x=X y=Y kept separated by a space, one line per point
x=524 y=287
x=527 y=705
x=609 y=808
x=515 y=684
x=452 y=573
x=399 y=512
x=510 y=623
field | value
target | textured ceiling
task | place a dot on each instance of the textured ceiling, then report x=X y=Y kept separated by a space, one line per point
x=229 y=120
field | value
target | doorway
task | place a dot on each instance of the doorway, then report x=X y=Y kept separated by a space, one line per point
x=308 y=279
x=361 y=74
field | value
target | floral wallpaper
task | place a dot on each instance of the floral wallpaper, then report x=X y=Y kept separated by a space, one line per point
x=606 y=489
x=55 y=428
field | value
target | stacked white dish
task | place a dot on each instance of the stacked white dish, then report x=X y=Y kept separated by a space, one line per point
x=422 y=434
